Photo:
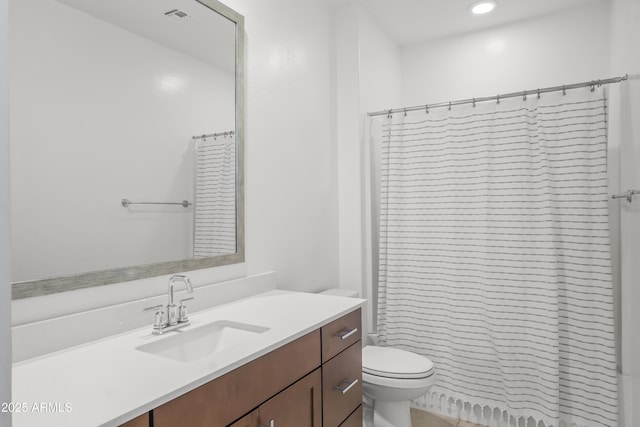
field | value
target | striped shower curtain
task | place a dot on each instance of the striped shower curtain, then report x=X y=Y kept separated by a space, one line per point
x=215 y=206
x=495 y=259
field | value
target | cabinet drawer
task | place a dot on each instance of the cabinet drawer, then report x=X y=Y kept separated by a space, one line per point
x=354 y=420
x=342 y=385
x=224 y=399
x=341 y=333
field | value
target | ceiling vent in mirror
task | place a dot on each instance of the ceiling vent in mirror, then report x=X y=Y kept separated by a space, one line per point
x=177 y=14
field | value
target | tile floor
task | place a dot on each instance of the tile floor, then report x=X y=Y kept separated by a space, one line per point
x=427 y=419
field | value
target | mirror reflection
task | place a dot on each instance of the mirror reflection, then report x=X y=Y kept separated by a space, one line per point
x=123 y=136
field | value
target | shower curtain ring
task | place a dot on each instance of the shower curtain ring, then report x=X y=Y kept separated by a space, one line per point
x=538 y=93
x=474 y=102
x=564 y=90
x=524 y=95
x=498 y=98
x=449 y=105
x=405 y=112
x=426 y=108
x=593 y=85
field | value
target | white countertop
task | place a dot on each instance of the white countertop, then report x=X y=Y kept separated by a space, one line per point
x=108 y=382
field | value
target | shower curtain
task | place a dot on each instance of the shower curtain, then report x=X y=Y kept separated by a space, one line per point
x=495 y=259
x=215 y=206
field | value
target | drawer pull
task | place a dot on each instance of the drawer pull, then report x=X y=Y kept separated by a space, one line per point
x=272 y=423
x=346 y=333
x=346 y=385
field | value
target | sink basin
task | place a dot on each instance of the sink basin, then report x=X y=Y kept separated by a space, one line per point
x=193 y=344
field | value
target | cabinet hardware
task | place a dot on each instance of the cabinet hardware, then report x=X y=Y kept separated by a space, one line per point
x=346 y=385
x=346 y=333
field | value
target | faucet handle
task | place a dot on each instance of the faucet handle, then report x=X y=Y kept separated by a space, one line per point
x=158 y=320
x=154 y=307
x=182 y=310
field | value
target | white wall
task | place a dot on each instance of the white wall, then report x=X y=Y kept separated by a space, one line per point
x=567 y=47
x=5 y=280
x=349 y=148
x=291 y=191
x=127 y=107
x=625 y=134
x=368 y=78
x=291 y=188
x=380 y=71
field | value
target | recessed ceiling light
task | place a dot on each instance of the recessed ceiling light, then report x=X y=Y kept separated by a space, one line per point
x=484 y=6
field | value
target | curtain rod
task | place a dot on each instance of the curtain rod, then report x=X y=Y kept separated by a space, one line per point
x=537 y=92
x=213 y=135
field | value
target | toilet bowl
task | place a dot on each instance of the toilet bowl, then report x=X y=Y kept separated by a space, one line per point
x=391 y=378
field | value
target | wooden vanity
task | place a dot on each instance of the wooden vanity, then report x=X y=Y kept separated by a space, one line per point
x=313 y=381
x=299 y=366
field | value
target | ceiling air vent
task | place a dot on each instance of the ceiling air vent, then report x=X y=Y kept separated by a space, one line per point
x=177 y=14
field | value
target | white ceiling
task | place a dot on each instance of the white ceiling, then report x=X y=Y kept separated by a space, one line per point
x=412 y=21
x=405 y=21
x=203 y=34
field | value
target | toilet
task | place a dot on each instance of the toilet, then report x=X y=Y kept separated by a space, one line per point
x=391 y=378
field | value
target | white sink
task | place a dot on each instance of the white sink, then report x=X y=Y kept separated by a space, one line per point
x=194 y=344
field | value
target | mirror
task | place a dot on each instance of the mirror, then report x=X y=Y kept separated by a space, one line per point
x=126 y=127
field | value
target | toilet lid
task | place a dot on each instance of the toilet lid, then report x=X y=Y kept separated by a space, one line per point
x=395 y=363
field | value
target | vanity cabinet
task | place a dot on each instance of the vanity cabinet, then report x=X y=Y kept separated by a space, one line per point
x=249 y=420
x=223 y=400
x=355 y=419
x=141 y=421
x=297 y=406
x=342 y=379
x=314 y=381
x=342 y=369
x=340 y=334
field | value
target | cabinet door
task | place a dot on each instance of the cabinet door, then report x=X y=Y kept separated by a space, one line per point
x=250 y=420
x=299 y=405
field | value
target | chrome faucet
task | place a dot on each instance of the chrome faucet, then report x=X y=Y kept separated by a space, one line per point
x=176 y=316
